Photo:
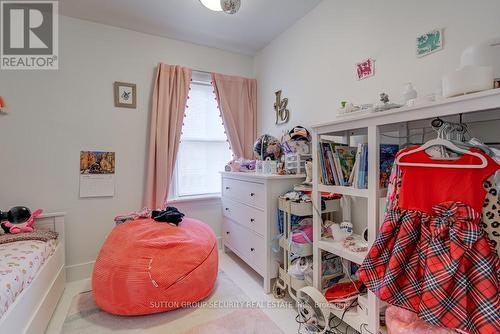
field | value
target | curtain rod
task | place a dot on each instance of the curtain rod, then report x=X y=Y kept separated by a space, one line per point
x=201 y=71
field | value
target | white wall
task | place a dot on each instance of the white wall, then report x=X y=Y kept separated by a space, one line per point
x=55 y=114
x=313 y=61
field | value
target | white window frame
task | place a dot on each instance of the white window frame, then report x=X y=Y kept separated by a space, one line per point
x=199 y=78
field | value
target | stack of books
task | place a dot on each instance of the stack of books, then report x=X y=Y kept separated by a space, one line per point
x=342 y=165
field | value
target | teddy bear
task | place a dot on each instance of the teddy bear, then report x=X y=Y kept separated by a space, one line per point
x=25 y=227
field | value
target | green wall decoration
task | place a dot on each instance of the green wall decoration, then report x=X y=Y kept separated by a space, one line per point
x=429 y=42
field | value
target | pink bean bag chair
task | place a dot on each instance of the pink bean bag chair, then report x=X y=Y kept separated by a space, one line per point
x=401 y=321
x=147 y=267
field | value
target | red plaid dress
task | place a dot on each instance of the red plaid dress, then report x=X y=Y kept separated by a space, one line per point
x=439 y=265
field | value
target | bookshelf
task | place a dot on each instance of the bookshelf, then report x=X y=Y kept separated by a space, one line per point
x=477 y=107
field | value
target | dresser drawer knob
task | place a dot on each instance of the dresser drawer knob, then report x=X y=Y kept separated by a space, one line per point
x=228 y=232
x=227 y=188
x=252 y=249
x=252 y=194
x=227 y=209
x=252 y=220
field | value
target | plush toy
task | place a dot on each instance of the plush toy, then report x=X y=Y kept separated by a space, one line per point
x=16 y=215
x=19 y=224
x=401 y=321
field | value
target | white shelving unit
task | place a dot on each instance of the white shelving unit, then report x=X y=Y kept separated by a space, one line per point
x=286 y=282
x=477 y=107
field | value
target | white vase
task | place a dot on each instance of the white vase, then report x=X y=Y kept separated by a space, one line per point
x=409 y=92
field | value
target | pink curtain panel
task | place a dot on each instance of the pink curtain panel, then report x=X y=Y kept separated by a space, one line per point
x=168 y=106
x=237 y=99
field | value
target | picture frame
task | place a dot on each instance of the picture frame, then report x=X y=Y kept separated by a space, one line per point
x=365 y=69
x=430 y=42
x=125 y=95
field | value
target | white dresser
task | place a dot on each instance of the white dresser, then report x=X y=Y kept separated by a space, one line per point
x=249 y=205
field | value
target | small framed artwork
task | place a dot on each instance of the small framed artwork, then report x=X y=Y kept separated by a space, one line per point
x=365 y=69
x=125 y=95
x=429 y=42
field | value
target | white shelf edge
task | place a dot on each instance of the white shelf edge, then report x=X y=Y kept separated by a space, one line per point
x=335 y=247
x=350 y=191
x=481 y=101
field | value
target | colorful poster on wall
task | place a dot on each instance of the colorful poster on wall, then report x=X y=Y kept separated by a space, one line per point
x=97 y=174
x=365 y=69
x=429 y=42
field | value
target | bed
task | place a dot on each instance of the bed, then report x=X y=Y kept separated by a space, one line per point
x=33 y=279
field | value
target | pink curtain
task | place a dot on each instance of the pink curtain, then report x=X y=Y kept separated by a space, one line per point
x=237 y=98
x=168 y=106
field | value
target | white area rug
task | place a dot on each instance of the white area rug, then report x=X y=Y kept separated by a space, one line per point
x=227 y=311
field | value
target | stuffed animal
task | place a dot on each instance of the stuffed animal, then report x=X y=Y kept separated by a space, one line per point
x=26 y=227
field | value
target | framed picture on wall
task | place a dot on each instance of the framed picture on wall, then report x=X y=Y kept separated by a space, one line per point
x=365 y=69
x=429 y=42
x=125 y=95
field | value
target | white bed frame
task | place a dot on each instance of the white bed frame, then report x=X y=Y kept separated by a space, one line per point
x=31 y=311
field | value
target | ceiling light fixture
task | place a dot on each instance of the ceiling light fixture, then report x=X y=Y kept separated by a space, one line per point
x=214 y=5
x=227 y=6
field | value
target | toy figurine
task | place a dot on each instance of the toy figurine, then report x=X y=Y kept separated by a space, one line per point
x=19 y=219
x=385 y=104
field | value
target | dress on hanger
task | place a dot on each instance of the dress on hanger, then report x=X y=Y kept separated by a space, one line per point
x=431 y=256
x=490 y=218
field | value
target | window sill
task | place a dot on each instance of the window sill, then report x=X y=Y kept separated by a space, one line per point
x=196 y=198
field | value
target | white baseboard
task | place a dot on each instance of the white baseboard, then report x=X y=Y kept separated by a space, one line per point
x=81 y=271
x=77 y=272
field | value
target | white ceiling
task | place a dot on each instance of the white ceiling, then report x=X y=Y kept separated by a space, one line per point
x=256 y=24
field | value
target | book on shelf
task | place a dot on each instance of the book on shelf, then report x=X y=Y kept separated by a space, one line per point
x=387 y=156
x=330 y=163
x=346 y=156
x=342 y=165
x=363 y=168
x=328 y=177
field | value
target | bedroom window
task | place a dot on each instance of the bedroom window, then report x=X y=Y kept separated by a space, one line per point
x=204 y=149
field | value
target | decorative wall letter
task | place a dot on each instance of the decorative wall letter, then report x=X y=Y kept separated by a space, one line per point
x=280 y=106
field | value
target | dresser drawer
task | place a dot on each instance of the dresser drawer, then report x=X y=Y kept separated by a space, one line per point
x=238 y=238
x=245 y=215
x=227 y=232
x=245 y=192
x=246 y=244
x=258 y=252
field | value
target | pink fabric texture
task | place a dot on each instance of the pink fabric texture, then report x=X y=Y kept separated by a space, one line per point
x=299 y=235
x=237 y=99
x=401 y=321
x=168 y=106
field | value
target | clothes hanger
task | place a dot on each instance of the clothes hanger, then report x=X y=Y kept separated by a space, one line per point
x=443 y=143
